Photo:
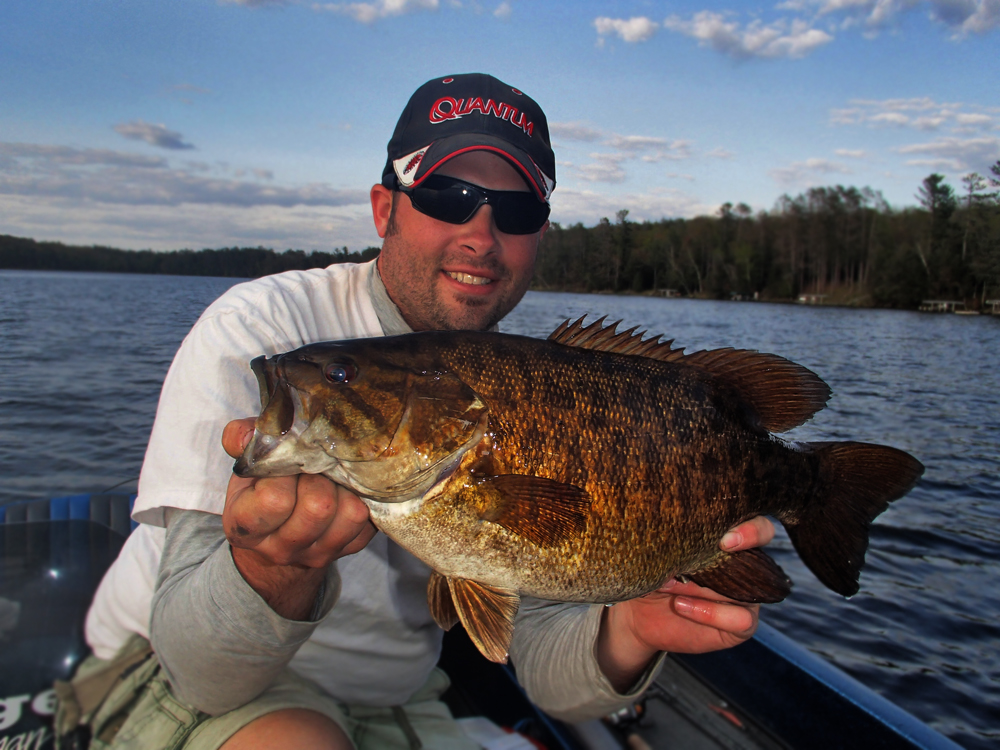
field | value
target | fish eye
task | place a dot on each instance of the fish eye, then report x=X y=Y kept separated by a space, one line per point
x=340 y=372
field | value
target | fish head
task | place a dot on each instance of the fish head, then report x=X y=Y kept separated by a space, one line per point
x=384 y=421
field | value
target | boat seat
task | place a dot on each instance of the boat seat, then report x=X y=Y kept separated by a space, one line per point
x=111 y=509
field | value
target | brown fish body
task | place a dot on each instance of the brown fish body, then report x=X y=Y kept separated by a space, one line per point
x=668 y=458
x=589 y=468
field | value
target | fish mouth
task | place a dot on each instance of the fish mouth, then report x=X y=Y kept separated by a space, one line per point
x=275 y=448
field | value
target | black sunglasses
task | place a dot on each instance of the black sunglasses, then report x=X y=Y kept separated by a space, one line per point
x=455 y=201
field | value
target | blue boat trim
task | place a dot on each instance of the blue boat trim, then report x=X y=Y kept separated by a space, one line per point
x=866 y=699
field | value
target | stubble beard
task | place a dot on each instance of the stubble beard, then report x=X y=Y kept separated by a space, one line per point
x=415 y=288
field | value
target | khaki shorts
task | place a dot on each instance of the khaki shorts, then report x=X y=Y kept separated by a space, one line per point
x=141 y=712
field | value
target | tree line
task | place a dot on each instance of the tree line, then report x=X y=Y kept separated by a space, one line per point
x=842 y=242
x=238 y=262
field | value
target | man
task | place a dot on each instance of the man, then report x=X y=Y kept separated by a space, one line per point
x=286 y=621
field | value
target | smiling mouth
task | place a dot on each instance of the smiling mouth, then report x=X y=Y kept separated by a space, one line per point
x=468 y=278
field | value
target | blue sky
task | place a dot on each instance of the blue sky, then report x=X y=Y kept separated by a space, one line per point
x=211 y=123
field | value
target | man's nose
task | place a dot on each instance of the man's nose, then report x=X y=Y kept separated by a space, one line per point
x=480 y=232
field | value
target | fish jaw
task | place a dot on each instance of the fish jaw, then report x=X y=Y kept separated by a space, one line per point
x=288 y=452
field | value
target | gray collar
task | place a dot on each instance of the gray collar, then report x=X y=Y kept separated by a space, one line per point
x=389 y=316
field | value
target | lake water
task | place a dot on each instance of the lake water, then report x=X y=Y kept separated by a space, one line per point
x=82 y=357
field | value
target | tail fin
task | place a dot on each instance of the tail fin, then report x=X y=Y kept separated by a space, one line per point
x=857 y=482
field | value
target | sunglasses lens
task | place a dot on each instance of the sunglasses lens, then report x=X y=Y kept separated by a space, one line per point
x=455 y=202
x=515 y=214
x=451 y=202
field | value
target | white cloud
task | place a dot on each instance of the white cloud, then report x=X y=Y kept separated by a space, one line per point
x=848 y=153
x=921 y=113
x=637 y=29
x=634 y=143
x=100 y=196
x=720 y=153
x=890 y=118
x=154 y=135
x=962 y=17
x=574 y=131
x=956 y=154
x=806 y=171
x=368 y=13
x=256 y=3
x=189 y=226
x=607 y=166
x=778 y=39
x=572 y=206
x=503 y=11
x=604 y=168
x=102 y=176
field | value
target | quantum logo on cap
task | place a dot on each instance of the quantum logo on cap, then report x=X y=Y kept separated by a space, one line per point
x=448 y=108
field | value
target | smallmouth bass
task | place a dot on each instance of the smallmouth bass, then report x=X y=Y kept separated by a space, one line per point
x=589 y=467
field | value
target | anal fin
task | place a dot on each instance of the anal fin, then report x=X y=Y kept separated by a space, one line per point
x=747 y=576
x=488 y=614
x=440 y=603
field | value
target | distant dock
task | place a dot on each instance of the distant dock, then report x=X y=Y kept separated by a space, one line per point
x=990 y=307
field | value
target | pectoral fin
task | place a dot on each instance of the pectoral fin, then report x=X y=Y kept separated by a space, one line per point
x=541 y=510
x=747 y=576
x=487 y=614
x=440 y=603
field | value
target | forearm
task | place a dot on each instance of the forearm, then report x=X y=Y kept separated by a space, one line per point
x=555 y=653
x=289 y=590
x=219 y=642
x=621 y=657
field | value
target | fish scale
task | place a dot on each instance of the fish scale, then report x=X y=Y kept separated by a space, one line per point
x=588 y=468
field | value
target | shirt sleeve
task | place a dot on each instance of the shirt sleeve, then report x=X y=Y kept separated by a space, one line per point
x=209 y=383
x=554 y=652
x=217 y=640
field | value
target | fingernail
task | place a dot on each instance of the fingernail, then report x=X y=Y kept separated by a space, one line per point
x=683 y=606
x=732 y=539
x=667 y=585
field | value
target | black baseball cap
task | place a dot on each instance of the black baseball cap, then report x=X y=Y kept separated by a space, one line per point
x=471 y=112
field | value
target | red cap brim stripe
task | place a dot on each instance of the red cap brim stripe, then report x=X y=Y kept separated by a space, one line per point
x=534 y=184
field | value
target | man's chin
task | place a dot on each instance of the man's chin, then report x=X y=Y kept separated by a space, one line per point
x=472 y=314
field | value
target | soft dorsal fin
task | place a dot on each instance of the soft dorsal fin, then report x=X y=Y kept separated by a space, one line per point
x=782 y=393
x=541 y=510
x=488 y=614
x=439 y=601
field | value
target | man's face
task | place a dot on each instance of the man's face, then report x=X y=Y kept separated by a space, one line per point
x=455 y=276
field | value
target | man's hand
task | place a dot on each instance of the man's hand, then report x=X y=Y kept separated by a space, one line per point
x=679 y=617
x=284 y=531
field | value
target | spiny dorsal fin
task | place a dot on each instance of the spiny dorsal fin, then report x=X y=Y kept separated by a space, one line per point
x=541 y=510
x=604 y=339
x=747 y=576
x=439 y=601
x=782 y=393
x=488 y=614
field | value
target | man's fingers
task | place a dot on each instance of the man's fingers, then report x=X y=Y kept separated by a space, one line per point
x=737 y=619
x=259 y=508
x=756 y=532
x=236 y=435
x=327 y=520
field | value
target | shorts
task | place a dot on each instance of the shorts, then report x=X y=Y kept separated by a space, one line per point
x=142 y=713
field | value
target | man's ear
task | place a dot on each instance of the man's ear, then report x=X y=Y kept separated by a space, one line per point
x=381 y=198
